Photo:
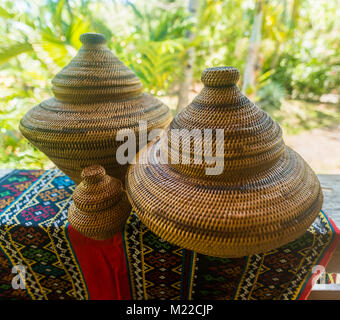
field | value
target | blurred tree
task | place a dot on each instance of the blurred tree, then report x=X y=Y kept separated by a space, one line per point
x=252 y=63
x=188 y=68
x=298 y=56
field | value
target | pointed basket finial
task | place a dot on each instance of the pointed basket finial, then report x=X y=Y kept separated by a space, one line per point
x=91 y=38
x=220 y=76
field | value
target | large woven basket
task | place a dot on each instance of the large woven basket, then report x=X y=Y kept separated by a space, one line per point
x=100 y=206
x=265 y=196
x=96 y=95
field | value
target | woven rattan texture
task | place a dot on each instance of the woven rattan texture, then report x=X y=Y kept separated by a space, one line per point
x=266 y=196
x=100 y=207
x=95 y=95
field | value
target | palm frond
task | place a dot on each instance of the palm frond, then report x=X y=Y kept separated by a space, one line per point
x=14 y=50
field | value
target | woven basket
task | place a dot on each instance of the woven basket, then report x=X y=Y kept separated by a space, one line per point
x=100 y=207
x=95 y=96
x=265 y=197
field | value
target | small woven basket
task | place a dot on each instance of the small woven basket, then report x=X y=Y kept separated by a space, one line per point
x=95 y=96
x=265 y=196
x=100 y=207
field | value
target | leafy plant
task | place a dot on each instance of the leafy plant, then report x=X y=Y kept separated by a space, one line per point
x=298 y=56
x=270 y=96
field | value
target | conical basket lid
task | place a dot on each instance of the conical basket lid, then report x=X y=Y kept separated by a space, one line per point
x=264 y=195
x=95 y=96
x=95 y=74
x=100 y=206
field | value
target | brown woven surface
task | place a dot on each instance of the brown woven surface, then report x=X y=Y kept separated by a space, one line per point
x=266 y=196
x=100 y=206
x=95 y=96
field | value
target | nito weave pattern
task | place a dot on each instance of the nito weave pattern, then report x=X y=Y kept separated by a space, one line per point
x=96 y=95
x=100 y=206
x=265 y=197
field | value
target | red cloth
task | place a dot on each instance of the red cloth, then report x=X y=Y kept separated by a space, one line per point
x=103 y=266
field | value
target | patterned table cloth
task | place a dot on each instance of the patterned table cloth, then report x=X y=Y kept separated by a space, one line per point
x=43 y=257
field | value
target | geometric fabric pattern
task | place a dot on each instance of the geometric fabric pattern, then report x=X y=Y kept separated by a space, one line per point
x=160 y=270
x=34 y=233
x=33 y=221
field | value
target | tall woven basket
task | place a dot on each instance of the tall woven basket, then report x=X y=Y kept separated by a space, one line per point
x=264 y=196
x=95 y=96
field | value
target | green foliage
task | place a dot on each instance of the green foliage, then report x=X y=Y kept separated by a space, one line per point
x=222 y=35
x=14 y=50
x=308 y=79
x=157 y=64
x=270 y=96
x=16 y=152
x=308 y=62
x=158 y=44
x=299 y=52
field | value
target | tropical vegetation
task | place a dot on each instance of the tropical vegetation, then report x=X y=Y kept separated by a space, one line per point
x=286 y=50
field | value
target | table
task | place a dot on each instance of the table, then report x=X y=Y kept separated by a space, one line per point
x=60 y=263
x=331 y=189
